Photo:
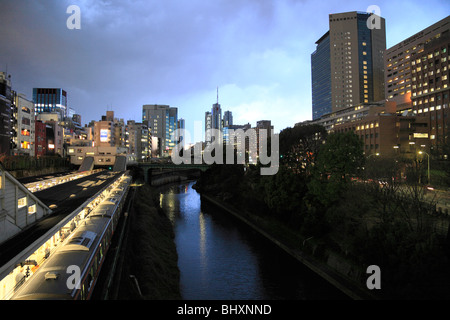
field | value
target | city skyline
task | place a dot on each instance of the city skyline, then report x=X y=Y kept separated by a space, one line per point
x=125 y=56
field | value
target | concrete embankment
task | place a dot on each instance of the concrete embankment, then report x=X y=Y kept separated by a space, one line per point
x=334 y=269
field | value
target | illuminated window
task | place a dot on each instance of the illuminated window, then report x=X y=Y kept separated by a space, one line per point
x=32 y=209
x=22 y=202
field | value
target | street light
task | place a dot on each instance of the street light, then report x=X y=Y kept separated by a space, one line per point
x=428 y=156
x=373 y=154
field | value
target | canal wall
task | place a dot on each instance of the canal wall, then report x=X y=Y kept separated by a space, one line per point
x=339 y=272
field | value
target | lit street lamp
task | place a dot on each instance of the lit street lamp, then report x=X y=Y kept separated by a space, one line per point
x=428 y=156
x=373 y=154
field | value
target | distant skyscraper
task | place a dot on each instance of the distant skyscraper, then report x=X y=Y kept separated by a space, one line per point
x=50 y=100
x=208 y=126
x=213 y=120
x=227 y=119
x=356 y=63
x=216 y=116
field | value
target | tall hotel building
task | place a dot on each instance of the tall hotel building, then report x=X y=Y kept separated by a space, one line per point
x=347 y=67
x=49 y=100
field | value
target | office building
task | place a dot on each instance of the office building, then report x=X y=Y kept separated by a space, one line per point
x=162 y=121
x=138 y=140
x=398 y=63
x=356 y=64
x=227 y=119
x=50 y=100
x=321 y=77
x=430 y=88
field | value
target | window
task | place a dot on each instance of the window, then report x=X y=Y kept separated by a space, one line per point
x=22 y=202
x=32 y=209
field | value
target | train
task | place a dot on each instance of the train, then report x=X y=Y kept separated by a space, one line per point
x=83 y=251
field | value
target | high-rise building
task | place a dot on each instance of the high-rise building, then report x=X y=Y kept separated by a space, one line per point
x=208 y=127
x=50 y=100
x=216 y=117
x=161 y=121
x=321 y=77
x=356 y=64
x=213 y=120
x=227 y=119
x=399 y=63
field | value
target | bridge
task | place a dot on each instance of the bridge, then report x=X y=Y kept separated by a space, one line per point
x=151 y=169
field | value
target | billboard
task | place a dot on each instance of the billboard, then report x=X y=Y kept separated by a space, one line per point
x=103 y=135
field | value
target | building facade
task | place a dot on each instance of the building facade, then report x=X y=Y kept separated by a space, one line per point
x=49 y=100
x=430 y=88
x=227 y=119
x=6 y=107
x=384 y=132
x=162 y=121
x=399 y=63
x=321 y=77
x=356 y=64
x=23 y=131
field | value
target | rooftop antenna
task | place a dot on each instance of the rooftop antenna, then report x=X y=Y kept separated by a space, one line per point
x=217 y=95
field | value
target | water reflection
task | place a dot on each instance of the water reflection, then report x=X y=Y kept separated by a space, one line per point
x=220 y=258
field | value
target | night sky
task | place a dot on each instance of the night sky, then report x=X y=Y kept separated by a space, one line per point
x=130 y=53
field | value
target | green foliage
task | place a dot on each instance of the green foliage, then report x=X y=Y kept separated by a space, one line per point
x=284 y=192
x=340 y=158
x=300 y=145
x=413 y=265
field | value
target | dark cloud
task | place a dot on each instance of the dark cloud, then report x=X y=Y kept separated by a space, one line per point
x=130 y=53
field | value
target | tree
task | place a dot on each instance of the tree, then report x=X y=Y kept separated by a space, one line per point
x=300 y=145
x=339 y=159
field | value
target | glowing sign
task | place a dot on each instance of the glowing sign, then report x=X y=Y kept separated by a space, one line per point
x=420 y=135
x=103 y=135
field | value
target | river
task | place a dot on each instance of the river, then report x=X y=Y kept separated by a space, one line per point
x=220 y=258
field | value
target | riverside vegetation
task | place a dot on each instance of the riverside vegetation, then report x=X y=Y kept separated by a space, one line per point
x=328 y=197
x=151 y=254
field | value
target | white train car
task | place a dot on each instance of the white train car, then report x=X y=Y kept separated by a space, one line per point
x=84 y=251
